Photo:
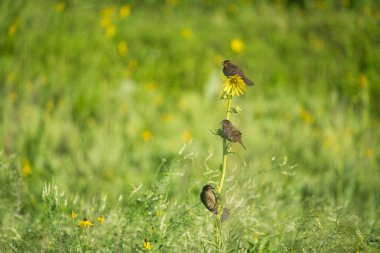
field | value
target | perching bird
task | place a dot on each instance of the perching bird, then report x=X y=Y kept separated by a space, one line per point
x=230 y=69
x=210 y=201
x=230 y=132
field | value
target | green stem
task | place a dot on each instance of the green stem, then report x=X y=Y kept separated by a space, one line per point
x=225 y=153
x=218 y=220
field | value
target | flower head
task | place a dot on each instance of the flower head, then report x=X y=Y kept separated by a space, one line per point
x=73 y=215
x=123 y=48
x=60 y=6
x=26 y=168
x=234 y=85
x=237 y=45
x=85 y=223
x=101 y=219
x=147 y=135
x=147 y=245
x=125 y=10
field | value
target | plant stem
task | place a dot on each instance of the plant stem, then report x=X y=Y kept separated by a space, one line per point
x=218 y=220
x=225 y=153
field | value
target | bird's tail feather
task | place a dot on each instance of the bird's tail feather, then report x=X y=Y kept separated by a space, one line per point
x=247 y=81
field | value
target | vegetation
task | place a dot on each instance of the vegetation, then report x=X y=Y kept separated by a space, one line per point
x=107 y=109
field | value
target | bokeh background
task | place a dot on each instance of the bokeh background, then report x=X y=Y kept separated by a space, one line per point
x=107 y=108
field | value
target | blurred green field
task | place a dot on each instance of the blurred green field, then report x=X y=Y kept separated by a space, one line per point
x=107 y=109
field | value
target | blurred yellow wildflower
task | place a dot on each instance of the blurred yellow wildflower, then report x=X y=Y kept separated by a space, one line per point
x=11 y=77
x=151 y=86
x=107 y=11
x=110 y=31
x=26 y=168
x=147 y=245
x=73 y=215
x=167 y=117
x=158 y=213
x=60 y=6
x=237 y=45
x=147 y=135
x=105 y=22
x=363 y=81
x=125 y=10
x=368 y=152
x=123 y=48
x=234 y=85
x=101 y=219
x=306 y=116
x=85 y=223
x=187 y=136
x=186 y=33
x=13 y=27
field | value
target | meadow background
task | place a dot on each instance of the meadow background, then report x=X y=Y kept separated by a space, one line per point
x=106 y=111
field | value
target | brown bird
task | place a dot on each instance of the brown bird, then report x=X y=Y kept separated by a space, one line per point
x=210 y=201
x=230 y=69
x=230 y=132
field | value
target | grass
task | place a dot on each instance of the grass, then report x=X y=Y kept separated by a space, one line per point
x=97 y=128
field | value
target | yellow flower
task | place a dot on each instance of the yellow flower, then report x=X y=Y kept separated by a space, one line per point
x=237 y=45
x=147 y=135
x=13 y=28
x=234 y=85
x=26 y=168
x=101 y=219
x=123 y=48
x=187 y=136
x=85 y=223
x=60 y=6
x=110 y=31
x=11 y=77
x=73 y=215
x=147 y=245
x=151 y=86
x=125 y=10
x=166 y=117
x=158 y=213
x=133 y=64
x=363 y=81
x=306 y=116
x=107 y=11
x=186 y=33
x=105 y=22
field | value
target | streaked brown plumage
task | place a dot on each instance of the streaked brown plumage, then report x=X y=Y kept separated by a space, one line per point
x=230 y=132
x=230 y=69
x=209 y=199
